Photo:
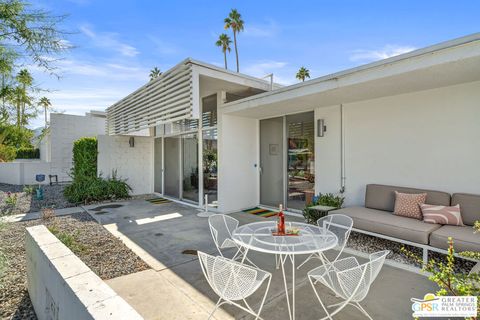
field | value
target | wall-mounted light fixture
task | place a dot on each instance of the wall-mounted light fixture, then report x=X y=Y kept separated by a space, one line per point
x=131 y=142
x=321 y=127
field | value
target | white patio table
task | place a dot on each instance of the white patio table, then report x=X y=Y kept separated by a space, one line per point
x=258 y=236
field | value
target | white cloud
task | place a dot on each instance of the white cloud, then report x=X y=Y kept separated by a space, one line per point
x=387 y=51
x=268 y=29
x=282 y=73
x=109 y=40
x=162 y=46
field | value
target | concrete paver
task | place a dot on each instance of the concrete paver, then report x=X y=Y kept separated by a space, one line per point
x=177 y=289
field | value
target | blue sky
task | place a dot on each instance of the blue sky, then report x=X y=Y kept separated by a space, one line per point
x=118 y=42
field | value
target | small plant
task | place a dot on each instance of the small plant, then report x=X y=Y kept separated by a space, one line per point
x=11 y=199
x=67 y=239
x=451 y=283
x=326 y=199
x=47 y=214
x=28 y=189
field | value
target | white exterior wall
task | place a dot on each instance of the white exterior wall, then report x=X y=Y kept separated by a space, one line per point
x=65 y=129
x=427 y=139
x=134 y=164
x=61 y=286
x=238 y=176
x=22 y=172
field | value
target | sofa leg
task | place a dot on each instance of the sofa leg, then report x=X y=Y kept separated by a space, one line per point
x=425 y=256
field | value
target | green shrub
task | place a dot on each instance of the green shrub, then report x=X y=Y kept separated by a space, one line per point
x=28 y=153
x=84 y=158
x=89 y=189
x=327 y=199
x=7 y=153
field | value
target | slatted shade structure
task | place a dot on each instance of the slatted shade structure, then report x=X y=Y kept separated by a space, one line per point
x=168 y=98
x=175 y=96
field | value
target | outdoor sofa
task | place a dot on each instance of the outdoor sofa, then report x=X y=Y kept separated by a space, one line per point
x=376 y=218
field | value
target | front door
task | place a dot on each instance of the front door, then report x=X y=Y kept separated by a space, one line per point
x=172 y=167
x=272 y=185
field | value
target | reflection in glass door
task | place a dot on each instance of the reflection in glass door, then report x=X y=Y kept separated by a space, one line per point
x=210 y=165
x=190 y=167
x=172 y=167
x=300 y=159
x=157 y=165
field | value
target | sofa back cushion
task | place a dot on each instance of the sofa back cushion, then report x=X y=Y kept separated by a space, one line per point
x=469 y=206
x=382 y=197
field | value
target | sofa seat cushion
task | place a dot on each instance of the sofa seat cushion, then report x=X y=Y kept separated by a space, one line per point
x=386 y=223
x=463 y=238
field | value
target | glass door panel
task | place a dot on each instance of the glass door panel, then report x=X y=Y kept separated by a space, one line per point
x=157 y=169
x=210 y=165
x=190 y=167
x=272 y=187
x=172 y=167
x=300 y=159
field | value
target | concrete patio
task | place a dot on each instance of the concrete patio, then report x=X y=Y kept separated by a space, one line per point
x=175 y=287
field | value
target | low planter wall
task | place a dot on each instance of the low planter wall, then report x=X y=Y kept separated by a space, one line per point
x=61 y=286
x=23 y=171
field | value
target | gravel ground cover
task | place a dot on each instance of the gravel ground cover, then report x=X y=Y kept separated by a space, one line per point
x=106 y=255
x=370 y=244
x=52 y=198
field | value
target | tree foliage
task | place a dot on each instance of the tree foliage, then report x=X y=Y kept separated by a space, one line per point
x=32 y=35
x=235 y=22
x=84 y=158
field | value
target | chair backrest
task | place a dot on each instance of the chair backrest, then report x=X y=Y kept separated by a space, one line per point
x=221 y=227
x=356 y=281
x=340 y=224
x=229 y=279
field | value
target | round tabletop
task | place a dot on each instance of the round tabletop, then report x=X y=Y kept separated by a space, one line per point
x=259 y=236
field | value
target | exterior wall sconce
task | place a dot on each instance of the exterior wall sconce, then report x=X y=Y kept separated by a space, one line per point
x=131 y=142
x=321 y=127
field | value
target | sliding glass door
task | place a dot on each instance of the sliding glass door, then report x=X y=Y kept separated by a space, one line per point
x=272 y=186
x=190 y=167
x=172 y=166
x=287 y=163
x=300 y=159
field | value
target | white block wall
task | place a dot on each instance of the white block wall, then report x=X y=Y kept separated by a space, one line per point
x=65 y=129
x=134 y=164
x=23 y=171
x=61 y=286
x=428 y=139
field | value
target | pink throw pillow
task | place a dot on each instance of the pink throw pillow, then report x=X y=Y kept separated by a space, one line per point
x=408 y=205
x=442 y=214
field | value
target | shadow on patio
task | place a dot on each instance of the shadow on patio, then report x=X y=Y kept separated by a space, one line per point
x=175 y=288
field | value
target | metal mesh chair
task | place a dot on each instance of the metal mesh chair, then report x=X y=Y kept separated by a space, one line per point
x=222 y=227
x=233 y=282
x=348 y=279
x=341 y=225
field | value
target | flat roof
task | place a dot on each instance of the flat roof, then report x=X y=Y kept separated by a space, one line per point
x=367 y=73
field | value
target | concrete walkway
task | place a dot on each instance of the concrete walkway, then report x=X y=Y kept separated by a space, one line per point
x=175 y=288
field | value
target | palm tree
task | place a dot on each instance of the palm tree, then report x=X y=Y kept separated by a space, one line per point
x=25 y=79
x=224 y=42
x=45 y=104
x=234 y=21
x=303 y=73
x=155 y=73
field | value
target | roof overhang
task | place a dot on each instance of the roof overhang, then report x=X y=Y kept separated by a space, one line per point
x=175 y=95
x=445 y=64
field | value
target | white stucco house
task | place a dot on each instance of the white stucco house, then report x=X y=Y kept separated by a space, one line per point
x=411 y=120
x=55 y=149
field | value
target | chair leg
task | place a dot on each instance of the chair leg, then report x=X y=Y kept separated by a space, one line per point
x=215 y=309
x=264 y=297
x=306 y=260
x=363 y=310
x=320 y=300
